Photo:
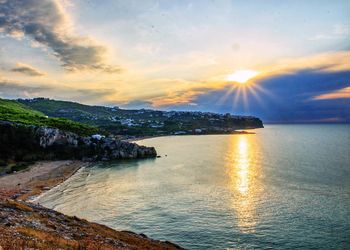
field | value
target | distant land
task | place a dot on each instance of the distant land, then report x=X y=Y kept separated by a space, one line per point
x=45 y=129
x=142 y=122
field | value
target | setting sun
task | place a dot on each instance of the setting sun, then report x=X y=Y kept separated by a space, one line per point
x=217 y=124
x=241 y=76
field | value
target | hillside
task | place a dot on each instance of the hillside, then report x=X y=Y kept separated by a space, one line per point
x=29 y=226
x=143 y=122
x=13 y=111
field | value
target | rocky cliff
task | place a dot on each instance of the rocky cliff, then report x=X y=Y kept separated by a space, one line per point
x=31 y=143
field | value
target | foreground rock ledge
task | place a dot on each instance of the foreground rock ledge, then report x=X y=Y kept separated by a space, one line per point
x=29 y=226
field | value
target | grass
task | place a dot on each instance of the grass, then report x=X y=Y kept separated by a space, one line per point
x=18 y=205
x=13 y=167
x=14 y=111
x=26 y=226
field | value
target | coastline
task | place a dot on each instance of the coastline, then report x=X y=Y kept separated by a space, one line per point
x=21 y=215
x=26 y=224
x=79 y=166
x=28 y=184
x=237 y=132
x=37 y=178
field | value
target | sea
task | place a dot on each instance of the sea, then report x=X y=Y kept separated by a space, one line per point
x=284 y=187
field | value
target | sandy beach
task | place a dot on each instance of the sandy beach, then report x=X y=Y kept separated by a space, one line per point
x=27 y=225
x=37 y=178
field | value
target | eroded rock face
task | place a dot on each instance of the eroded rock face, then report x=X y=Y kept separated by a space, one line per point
x=19 y=142
x=51 y=136
x=111 y=149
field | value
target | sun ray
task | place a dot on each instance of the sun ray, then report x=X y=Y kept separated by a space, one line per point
x=245 y=100
x=243 y=87
x=226 y=95
x=236 y=97
x=242 y=76
x=263 y=90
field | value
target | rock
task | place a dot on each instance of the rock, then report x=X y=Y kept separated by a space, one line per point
x=17 y=217
x=97 y=137
x=22 y=142
x=51 y=136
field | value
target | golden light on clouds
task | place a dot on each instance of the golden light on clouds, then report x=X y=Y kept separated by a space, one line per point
x=242 y=76
x=339 y=94
x=70 y=45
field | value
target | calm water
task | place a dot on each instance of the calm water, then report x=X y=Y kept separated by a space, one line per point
x=285 y=187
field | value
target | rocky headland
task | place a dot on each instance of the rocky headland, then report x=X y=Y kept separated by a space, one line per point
x=31 y=143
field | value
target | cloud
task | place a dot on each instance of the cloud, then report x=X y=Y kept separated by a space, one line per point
x=11 y=89
x=337 y=94
x=137 y=104
x=27 y=70
x=333 y=61
x=310 y=89
x=181 y=92
x=338 y=31
x=179 y=97
x=285 y=98
x=47 y=23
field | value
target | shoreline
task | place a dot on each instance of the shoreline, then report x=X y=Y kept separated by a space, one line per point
x=237 y=132
x=34 y=198
x=20 y=191
x=24 y=223
x=28 y=184
x=36 y=179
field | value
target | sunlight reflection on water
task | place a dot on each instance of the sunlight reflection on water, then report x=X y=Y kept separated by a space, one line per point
x=242 y=172
x=274 y=189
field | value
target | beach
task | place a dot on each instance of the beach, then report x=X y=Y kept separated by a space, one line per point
x=37 y=178
x=26 y=224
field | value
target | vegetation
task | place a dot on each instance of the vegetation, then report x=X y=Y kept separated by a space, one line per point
x=24 y=225
x=143 y=122
x=11 y=168
x=21 y=144
x=14 y=111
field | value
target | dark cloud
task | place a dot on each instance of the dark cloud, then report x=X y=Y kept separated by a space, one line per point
x=284 y=98
x=96 y=96
x=27 y=70
x=12 y=90
x=46 y=23
x=137 y=104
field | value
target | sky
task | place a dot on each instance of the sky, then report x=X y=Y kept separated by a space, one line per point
x=283 y=61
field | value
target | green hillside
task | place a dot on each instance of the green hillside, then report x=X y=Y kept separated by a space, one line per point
x=143 y=122
x=14 y=111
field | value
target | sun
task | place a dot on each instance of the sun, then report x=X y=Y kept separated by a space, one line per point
x=242 y=76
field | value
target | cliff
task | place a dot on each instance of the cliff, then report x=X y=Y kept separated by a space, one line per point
x=31 y=143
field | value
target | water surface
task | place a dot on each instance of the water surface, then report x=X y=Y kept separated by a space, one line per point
x=285 y=187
